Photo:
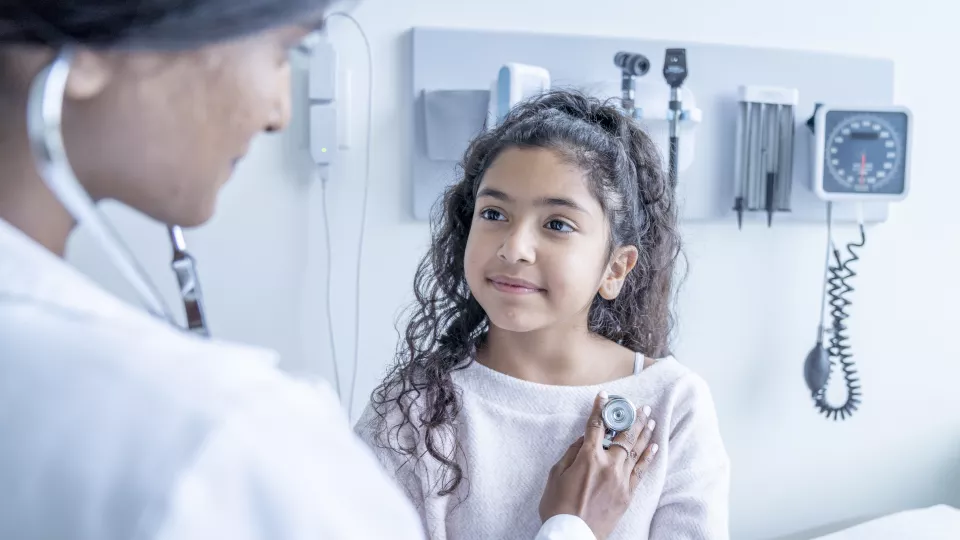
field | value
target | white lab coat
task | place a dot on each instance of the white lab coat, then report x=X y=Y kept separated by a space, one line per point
x=114 y=425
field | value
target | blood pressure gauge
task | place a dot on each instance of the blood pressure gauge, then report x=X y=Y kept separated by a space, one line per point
x=861 y=154
x=618 y=415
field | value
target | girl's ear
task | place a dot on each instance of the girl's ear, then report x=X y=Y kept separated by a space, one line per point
x=623 y=261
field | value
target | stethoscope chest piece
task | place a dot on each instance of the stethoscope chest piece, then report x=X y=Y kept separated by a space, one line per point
x=185 y=267
x=618 y=415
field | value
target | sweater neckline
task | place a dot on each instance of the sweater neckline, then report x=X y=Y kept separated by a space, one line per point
x=539 y=398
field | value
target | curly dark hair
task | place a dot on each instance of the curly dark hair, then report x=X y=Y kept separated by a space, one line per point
x=447 y=325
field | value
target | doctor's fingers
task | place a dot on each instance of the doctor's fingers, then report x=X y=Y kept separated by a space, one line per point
x=642 y=465
x=635 y=439
x=593 y=435
x=642 y=444
x=568 y=457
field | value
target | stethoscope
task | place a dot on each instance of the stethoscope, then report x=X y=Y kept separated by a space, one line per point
x=618 y=416
x=44 y=128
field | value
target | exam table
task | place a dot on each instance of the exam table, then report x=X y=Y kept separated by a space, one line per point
x=940 y=522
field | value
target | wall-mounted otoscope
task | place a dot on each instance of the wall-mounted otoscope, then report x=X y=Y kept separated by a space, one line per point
x=675 y=72
x=632 y=65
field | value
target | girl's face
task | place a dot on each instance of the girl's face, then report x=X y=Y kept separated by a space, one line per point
x=538 y=250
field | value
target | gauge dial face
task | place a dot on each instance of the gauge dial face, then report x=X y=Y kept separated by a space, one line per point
x=865 y=152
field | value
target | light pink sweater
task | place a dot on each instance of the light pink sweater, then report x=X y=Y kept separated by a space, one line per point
x=512 y=431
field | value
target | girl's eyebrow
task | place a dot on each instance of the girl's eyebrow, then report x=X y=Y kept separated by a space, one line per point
x=543 y=201
x=561 y=201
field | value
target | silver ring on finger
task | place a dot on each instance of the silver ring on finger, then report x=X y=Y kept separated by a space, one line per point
x=628 y=450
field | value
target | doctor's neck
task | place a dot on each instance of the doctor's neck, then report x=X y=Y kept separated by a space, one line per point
x=25 y=201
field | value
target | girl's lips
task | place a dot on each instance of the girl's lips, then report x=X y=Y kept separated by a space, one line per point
x=514 y=285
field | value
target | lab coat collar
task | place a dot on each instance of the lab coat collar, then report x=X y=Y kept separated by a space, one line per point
x=29 y=272
x=32 y=274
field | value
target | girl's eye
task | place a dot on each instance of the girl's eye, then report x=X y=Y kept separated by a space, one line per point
x=559 y=226
x=492 y=215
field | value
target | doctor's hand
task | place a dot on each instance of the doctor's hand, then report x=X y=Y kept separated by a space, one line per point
x=595 y=484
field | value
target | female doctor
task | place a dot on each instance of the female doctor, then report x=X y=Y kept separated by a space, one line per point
x=115 y=424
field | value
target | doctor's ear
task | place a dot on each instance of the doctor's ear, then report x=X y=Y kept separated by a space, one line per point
x=90 y=72
x=624 y=260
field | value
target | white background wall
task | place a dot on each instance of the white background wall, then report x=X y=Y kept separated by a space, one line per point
x=748 y=308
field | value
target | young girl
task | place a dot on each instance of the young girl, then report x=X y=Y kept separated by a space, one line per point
x=549 y=279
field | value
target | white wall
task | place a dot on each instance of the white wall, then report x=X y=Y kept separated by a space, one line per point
x=793 y=469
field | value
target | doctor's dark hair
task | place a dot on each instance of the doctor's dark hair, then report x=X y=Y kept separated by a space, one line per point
x=447 y=325
x=146 y=24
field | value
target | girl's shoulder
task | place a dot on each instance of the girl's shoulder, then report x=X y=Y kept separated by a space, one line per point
x=677 y=376
x=385 y=422
x=394 y=422
x=668 y=374
x=673 y=389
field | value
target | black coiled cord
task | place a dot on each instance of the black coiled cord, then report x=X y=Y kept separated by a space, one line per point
x=839 y=349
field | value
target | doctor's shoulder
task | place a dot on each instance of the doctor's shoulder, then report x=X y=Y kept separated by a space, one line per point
x=194 y=433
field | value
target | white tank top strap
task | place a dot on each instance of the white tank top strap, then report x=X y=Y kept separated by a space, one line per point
x=638 y=362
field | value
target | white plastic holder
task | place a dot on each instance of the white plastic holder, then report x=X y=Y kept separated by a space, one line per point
x=655 y=116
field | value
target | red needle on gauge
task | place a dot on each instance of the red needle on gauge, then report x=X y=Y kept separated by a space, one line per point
x=863 y=166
